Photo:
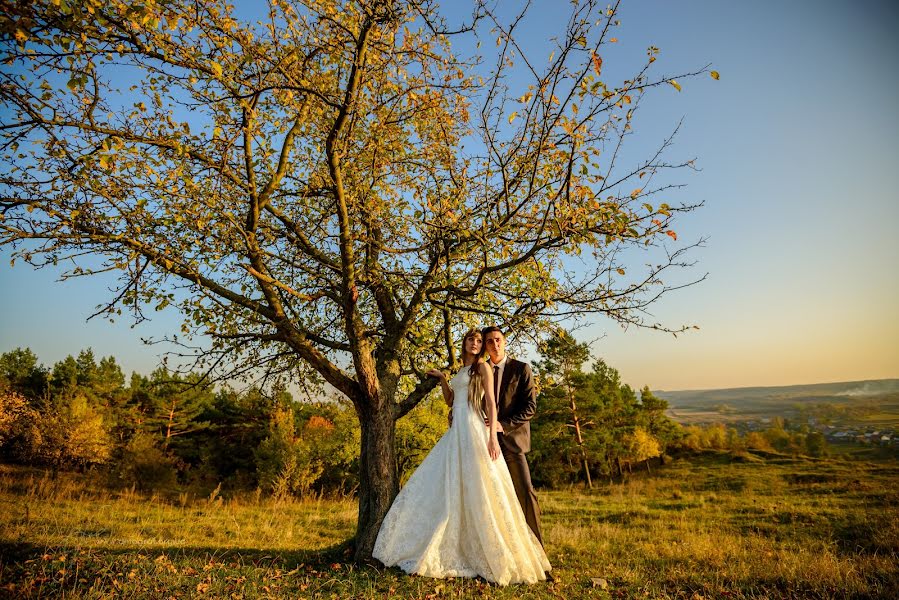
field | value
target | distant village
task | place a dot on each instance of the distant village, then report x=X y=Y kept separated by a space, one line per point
x=861 y=413
x=870 y=435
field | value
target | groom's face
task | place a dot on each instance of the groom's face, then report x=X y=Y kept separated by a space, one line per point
x=496 y=346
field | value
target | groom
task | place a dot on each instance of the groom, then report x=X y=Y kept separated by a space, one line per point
x=517 y=402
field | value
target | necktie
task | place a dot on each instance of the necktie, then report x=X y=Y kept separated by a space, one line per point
x=496 y=384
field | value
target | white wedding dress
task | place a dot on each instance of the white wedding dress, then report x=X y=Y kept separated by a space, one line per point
x=458 y=515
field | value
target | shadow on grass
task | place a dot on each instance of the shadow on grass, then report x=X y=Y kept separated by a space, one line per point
x=13 y=553
x=857 y=537
x=724 y=483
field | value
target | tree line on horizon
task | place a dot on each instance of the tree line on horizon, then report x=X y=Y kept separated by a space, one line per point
x=167 y=430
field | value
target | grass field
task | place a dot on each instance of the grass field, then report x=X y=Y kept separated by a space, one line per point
x=714 y=526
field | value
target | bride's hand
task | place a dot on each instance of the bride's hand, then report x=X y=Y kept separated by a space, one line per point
x=493 y=447
x=436 y=373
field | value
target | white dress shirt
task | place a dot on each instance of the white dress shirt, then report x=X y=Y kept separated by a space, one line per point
x=499 y=375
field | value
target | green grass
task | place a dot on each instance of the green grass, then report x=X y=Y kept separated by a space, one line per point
x=711 y=527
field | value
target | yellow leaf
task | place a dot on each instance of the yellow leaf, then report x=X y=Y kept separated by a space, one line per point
x=715 y=75
x=620 y=271
x=675 y=84
x=216 y=69
x=512 y=117
x=597 y=63
x=636 y=192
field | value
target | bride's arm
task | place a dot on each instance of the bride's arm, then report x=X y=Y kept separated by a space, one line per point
x=490 y=406
x=444 y=386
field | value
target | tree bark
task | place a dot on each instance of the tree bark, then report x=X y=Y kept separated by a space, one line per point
x=578 y=438
x=378 y=483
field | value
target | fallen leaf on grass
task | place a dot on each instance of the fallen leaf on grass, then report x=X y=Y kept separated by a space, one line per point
x=600 y=582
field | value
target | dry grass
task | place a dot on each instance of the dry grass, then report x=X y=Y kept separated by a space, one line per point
x=711 y=527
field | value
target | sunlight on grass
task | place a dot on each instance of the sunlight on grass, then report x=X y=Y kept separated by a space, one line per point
x=712 y=527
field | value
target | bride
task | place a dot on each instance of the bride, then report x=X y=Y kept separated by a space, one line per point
x=458 y=515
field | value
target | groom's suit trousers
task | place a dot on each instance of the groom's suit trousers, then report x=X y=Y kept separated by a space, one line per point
x=524 y=489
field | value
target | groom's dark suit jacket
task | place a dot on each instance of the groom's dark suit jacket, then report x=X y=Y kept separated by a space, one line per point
x=517 y=403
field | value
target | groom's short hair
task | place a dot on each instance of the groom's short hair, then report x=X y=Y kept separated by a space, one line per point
x=491 y=329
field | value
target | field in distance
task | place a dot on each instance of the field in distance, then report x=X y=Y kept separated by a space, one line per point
x=869 y=404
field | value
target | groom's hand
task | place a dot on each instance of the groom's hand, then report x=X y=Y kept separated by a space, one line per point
x=499 y=426
x=449 y=417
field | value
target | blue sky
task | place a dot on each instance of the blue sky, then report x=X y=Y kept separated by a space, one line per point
x=799 y=149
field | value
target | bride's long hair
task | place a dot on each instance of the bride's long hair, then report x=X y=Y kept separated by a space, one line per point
x=475 y=383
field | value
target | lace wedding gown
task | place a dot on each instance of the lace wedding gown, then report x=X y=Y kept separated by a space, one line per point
x=458 y=515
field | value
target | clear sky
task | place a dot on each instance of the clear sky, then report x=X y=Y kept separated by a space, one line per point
x=799 y=149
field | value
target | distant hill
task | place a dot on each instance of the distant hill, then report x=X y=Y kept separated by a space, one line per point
x=870 y=387
x=740 y=404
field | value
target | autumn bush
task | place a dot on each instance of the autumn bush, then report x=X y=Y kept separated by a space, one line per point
x=144 y=464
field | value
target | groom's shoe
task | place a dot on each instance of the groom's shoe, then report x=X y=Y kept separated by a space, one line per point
x=549 y=576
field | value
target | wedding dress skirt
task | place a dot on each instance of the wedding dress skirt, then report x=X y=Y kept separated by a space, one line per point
x=458 y=515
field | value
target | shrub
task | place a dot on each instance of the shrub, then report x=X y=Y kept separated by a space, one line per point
x=68 y=432
x=756 y=441
x=285 y=463
x=144 y=464
x=16 y=422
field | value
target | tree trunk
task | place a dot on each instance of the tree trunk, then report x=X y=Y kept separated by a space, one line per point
x=578 y=438
x=168 y=429
x=378 y=483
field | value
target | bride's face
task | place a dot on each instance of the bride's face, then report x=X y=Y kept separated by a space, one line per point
x=473 y=344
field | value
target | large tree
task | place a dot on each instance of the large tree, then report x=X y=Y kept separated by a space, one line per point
x=332 y=190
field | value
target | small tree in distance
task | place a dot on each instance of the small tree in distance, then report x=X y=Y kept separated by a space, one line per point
x=300 y=185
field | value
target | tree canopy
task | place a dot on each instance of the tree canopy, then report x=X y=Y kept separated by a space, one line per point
x=333 y=191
